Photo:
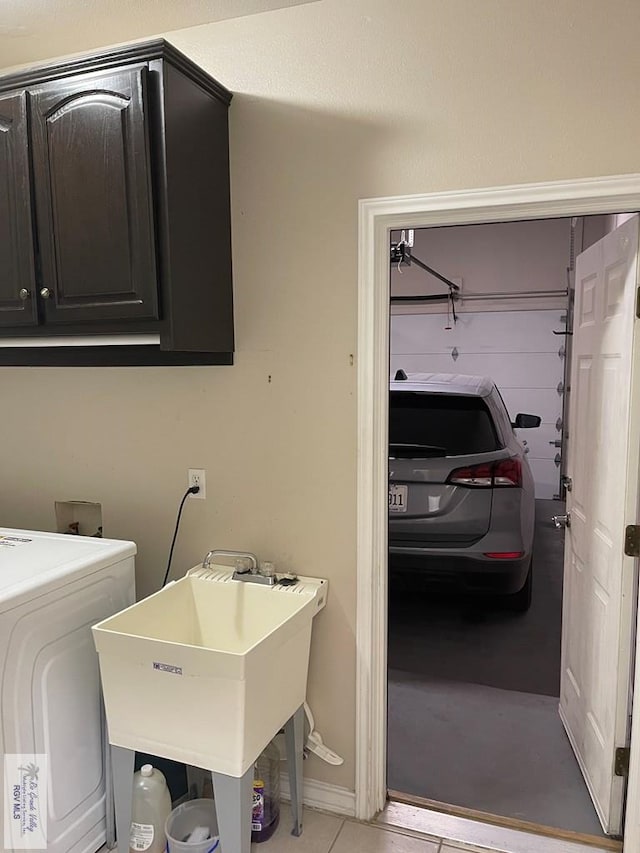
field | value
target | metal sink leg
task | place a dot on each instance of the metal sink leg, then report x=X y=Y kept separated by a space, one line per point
x=122 y=763
x=294 y=734
x=234 y=803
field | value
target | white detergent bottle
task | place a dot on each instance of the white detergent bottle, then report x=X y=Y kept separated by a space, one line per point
x=150 y=808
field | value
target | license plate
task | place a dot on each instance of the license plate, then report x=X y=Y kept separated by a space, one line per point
x=398 y=498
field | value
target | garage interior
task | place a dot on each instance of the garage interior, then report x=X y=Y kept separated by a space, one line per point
x=473 y=689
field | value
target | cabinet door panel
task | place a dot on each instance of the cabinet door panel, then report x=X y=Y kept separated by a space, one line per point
x=16 y=230
x=93 y=197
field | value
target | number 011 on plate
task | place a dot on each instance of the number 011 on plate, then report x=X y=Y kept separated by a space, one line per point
x=398 y=498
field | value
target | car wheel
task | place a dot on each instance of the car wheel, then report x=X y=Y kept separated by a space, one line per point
x=520 y=601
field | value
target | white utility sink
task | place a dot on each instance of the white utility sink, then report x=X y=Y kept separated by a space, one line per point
x=208 y=669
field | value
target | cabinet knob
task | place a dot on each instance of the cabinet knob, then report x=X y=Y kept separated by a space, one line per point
x=24 y=293
x=45 y=293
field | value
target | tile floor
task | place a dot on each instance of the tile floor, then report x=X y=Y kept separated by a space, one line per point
x=326 y=833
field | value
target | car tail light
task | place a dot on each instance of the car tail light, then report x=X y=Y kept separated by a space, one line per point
x=506 y=472
x=474 y=475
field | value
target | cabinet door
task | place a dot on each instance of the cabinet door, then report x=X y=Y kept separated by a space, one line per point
x=94 y=212
x=18 y=306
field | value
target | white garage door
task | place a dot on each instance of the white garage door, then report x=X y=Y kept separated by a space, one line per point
x=517 y=349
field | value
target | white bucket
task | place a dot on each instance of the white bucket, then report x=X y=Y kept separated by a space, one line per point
x=184 y=819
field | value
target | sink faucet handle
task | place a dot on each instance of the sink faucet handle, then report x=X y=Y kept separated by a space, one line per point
x=243 y=566
x=267 y=569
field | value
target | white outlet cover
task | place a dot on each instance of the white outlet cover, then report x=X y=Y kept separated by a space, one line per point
x=197 y=477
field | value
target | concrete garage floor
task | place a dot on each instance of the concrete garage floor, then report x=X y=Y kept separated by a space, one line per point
x=473 y=690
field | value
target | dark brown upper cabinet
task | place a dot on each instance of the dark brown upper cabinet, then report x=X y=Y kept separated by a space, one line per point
x=114 y=209
x=93 y=190
x=17 y=276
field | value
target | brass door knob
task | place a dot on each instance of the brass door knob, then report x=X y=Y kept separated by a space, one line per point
x=24 y=293
x=45 y=293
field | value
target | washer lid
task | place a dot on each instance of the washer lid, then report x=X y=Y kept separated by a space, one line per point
x=31 y=558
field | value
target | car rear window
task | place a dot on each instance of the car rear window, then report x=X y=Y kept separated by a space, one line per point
x=442 y=424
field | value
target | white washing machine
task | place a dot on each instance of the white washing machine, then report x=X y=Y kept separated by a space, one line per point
x=53 y=588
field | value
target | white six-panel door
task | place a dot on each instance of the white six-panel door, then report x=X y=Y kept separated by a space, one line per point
x=603 y=459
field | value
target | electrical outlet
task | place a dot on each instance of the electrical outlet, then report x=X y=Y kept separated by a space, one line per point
x=197 y=477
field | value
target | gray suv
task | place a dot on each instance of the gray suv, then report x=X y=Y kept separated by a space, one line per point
x=461 y=493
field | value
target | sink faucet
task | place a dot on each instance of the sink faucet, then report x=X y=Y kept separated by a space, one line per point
x=250 y=573
x=238 y=554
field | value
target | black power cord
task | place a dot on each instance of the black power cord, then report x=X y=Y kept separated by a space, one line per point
x=193 y=490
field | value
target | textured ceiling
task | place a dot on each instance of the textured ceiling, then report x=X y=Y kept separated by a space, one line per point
x=33 y=30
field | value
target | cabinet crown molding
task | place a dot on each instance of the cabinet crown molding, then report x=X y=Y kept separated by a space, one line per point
x=115 y=56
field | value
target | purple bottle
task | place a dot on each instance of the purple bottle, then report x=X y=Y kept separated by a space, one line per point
x=266 y=794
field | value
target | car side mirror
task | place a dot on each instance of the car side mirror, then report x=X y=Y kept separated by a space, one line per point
x=526 y=421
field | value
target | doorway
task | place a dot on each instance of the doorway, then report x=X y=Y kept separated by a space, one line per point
x=473 y=675
x=378 y=218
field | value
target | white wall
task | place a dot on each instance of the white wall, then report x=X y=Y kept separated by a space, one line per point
x=335 y=102
x=38 y=29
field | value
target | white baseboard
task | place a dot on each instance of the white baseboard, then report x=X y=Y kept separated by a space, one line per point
x=317 y=795
x=321 y=795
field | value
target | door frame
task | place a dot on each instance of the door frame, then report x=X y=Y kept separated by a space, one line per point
x=376 y=219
